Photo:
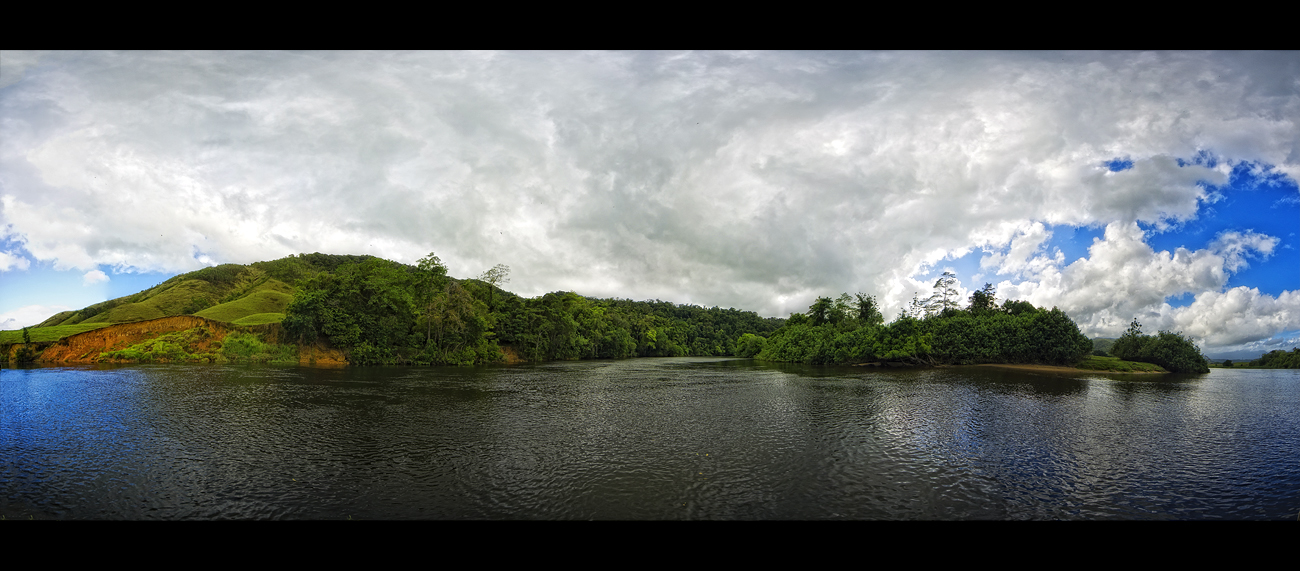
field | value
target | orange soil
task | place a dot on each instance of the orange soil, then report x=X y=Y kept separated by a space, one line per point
x=86 y=347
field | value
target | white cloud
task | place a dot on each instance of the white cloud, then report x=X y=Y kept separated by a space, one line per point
x=757 y=181
x=1235 y=247
x=93 y=277
x=28 y=315
x=1234 y=317
x=13 y=260
x=1124 y=278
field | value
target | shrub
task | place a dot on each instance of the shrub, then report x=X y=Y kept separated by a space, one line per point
x=1173 y=351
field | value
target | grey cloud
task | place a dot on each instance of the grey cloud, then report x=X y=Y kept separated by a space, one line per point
x=753 y=180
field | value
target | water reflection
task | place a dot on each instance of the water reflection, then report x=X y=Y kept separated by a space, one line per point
x=645 y=439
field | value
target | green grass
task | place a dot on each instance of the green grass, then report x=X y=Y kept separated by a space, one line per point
x=261 y=301
x=56 y=319
x=226 y=293
x=253 y=348
x=162 y=301
x=188 y=296
x=1114 y=364
x=40 y=334
x=259 y=319
x=127 y=313
x=183 y=347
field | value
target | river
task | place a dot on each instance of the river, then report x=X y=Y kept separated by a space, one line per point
x=646 y=439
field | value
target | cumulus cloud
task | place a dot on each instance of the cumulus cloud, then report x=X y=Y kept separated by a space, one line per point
x=753 y=180
x=1235 y=247
x=13 y=260
x=1234 y=317
x=93 y=277
x=1124 y=278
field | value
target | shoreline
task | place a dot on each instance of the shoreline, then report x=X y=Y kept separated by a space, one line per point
x=1059 y=369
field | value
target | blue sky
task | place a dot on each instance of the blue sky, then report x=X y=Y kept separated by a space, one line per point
x=1255 y=197
x=1156 y=185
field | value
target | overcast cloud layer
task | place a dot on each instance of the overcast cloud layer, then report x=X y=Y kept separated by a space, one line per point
x=754 y=180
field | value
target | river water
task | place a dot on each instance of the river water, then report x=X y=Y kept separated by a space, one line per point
x=686 y=438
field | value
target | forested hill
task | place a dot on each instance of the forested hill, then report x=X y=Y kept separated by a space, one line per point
x=383 y=312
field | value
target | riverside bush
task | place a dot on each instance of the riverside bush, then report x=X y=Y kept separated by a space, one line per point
x=1173 y=351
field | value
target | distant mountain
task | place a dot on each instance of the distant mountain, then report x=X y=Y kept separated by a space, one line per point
x=1235 y=356
x=1103 y=343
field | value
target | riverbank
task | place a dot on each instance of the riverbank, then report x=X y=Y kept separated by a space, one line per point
x=1072 y=370
x=181 y=338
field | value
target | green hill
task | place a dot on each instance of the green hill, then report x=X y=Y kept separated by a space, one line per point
x=375 y=311
x=246 y=294
x=1103 y=343
x=271 y=297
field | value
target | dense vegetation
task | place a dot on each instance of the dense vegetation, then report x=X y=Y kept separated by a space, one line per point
x=1173 y=351
x=1278 y=359
x=850 y=330
x=383 y=312
x=1117 y=365
x=196 y=346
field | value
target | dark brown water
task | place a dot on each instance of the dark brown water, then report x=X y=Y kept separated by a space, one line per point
x=645 y=439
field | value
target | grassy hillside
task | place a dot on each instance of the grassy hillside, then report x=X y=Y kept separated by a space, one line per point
x=56 y=319
x=250 y=294
x=260 y=319
x=271 y=297
x=40 y=334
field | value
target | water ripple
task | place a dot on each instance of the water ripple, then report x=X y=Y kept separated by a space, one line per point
x=644 y=439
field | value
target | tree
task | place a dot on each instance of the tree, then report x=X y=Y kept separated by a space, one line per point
x=820 y=310
x=25 y=354
x=432 y=280
x=363 y=308
x=749 y=345
x=1129 y=345
x=982 y=301
x=945 y=295
x=915 y=309
x=499 y=274
x=868 y=311
x=1173 y=351
x=843 y=309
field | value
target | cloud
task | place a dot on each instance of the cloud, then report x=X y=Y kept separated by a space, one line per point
x=28 y=316
x=1123 y=278
x=1234 y=317
x=93 y=277
x=750 y=180
x=1025 y=253
x=1235 y=247
x=13 y=260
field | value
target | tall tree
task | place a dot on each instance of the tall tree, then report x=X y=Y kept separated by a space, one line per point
x=433 y=279
x=868 y=311
x=498 y=275
x=945 y=295
x=843 y=309
x=982 y=301
x=820 y=310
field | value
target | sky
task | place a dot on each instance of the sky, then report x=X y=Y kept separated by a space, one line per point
x=1159 y=186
